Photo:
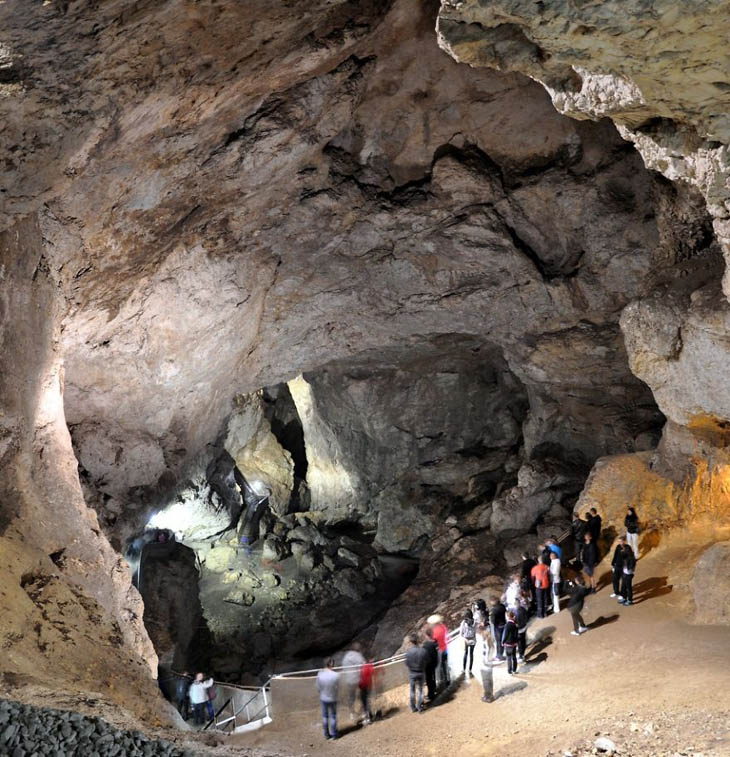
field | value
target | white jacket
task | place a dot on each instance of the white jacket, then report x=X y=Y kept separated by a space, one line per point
x=199 y=691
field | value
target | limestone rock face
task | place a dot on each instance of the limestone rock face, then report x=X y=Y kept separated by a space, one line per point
x=710 y=589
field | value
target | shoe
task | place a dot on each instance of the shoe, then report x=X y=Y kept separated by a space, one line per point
x=582 y=629
x=628 y=602
x=622 y=601
x=521 y=660
x=613 y=596
x=575 y=633
x=498 y=660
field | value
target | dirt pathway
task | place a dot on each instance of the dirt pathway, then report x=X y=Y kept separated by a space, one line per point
x=643 y=676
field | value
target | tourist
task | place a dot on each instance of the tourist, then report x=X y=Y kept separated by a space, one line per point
x=511 y=595
x=528 y=563
x=497 y=619
x=627 y=577
x=631 y=521
x=468 y=633
x=328 y=681
x=510 y=637
x=541 y=581
x=365 y=687
x=352 y=661
x=579 y=528
x=555 y=581
x=481 y=614
x=212 y=694
x=432 y=661
x=181 y=692
x=617 y=566
x=521 y=616
x=554 y=547
x=577 y=592
x=198 y=694
x=544 y=554
x=416 y=658
x=440 y=636
x=590 y=560
x=594 y=525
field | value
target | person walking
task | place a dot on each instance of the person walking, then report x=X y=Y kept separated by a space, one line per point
x=631 y=521
x=365 y=687
x=440 y=636
x=617 y=566
x=328 y=684
x=541 y=581
x=198 y=694
x=555 y=581
x=577 y=591
x=627 y=576
x=468 y=633
x=497 y=619
x=510 y=638
x=432 y=660
x=416 y=663
x=590 y=560
x=352 y=661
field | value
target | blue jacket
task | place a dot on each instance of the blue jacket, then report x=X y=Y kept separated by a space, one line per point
x=555 y=548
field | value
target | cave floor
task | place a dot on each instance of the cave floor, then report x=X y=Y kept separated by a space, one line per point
x=643 y=676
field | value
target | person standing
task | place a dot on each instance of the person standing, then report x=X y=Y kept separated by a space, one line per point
x=440 y=636
x=328 y=683
x=510 y=598
x=631 y=521
x=627 y=577
x=555 y=581
x=212 y=694
x=521 y=615
x=617 y=566
x=416 y=664
x=198 y=694
x=468 y=633
x=352 y=661
x=365 y=687
x=541 y=581
x=432 y=660
x=554 y=547
x=497 y=619
x=579 y=528
x=528 y=563
x=181 y=695
x=595 y=525
x=590 y=560
x=577 y=592
x=510 y=638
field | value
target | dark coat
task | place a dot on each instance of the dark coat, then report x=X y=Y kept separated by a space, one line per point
x=416 y=658
x=590 y=555
x=432 y=654
x=497 y=615
x=617 y=563
x=576 y=596
x=632 y=524
x=594 y=527
x=510 y=635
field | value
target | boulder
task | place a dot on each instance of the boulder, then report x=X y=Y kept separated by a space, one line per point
x=273 y=549
x=221 y=558
x=710 y=585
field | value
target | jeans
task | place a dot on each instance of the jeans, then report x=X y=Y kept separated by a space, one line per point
x=511 y=651
x=199 y=713
x=633 y=541
x=617 y=580
x=431 y=682
x=541 y=601
x=469 y=652
x=329 y=719
x=497 y=634
x=416 y=686
x=522 y=641
x=443 y=668
x=365 y=700
x=627 y=587
x=578 y=621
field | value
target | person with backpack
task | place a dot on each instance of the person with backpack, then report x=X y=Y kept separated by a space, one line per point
x=432 y=661
x=631 y=521
x=328 y=684
x=617 y=566
x=510 y=638
x=576 y=597
x=416 y=658
x=555 y=581
x=497 y=619
x=468 y=633
x=590 y=560
x=541 y=581
x=627 y=577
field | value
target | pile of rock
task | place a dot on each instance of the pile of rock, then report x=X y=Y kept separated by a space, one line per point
x=26 y=730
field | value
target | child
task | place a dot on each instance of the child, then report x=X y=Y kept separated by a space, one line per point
x=510 y=638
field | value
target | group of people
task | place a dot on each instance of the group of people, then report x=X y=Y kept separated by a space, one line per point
x=197 y=694
x=502 y=626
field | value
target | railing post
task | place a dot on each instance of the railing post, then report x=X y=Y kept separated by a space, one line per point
x=266 y=702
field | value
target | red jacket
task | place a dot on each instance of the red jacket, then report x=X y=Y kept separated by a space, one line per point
x=541 y=576
x=367 y=672
x=439 y=636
